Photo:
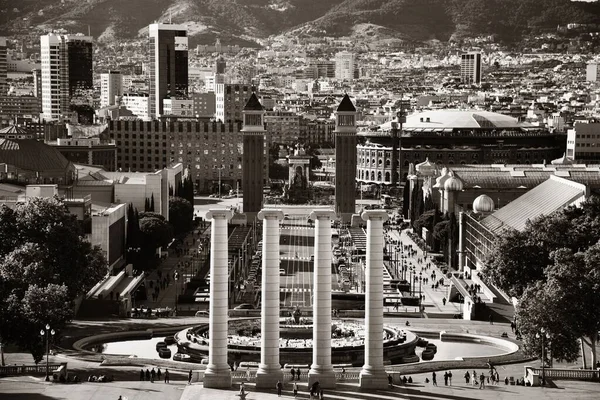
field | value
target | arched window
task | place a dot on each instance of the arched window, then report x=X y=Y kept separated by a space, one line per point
x=387 y=177
x=372 y=175
x=379 y=176
x=388 y=163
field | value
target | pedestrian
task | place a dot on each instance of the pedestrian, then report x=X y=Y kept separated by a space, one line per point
x=152 y=375
x=482 y=381
x=242 y=389
x=166 y=375
x=497 y=377
x=158 y=374
x=450 y=377
x=433 y=379
x=147 y=374
x=491 y=319
x=467 y=377
x=474 y=378
x=443 y=300
x=141 y=375
x=279 y=387
x=446 y=378
x=293 y=372
x=512 y=326
x=298 y=373
x=190 y=377
x=390 y=381
x=248 y=374
x=295 y=388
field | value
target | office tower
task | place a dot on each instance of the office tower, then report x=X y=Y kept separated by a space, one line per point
x=345 y=159
x=470 y=68
x=111 y=85
x=344 y=65
x=3 y=67
x=168 y=64
x=79 y=51
x=231 y=100
x=66 y=67
x=253 y=133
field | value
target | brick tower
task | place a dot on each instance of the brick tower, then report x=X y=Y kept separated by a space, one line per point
x=345 y=159
x=253 y=132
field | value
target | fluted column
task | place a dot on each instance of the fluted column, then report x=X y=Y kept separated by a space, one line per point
x=372 y=375
x=321 y=369
x=269 y=370
x=218 y=374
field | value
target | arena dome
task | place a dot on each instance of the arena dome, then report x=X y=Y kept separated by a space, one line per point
x=483 y=204
x=453 y=183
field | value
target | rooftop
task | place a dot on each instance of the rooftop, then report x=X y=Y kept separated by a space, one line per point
x=346 y=105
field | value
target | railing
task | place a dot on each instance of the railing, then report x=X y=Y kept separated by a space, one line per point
x=348 y=376
x=575 y=374
x=27 y=369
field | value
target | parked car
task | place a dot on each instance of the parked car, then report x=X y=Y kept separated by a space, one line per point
x=202 y=313
x=245 y=306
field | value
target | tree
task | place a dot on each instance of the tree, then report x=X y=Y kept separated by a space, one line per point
x=156 y=232
x=151 y=207
x=566 y=305
x=45 y=264
x=181 y=214
x=406 y=199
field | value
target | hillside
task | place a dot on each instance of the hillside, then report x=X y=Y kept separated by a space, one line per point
x=251 y=20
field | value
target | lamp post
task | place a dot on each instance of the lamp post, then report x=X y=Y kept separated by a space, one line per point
x=420 y=280
x=542 y=334
x=46 y=333
x=220 y=169
x=176 y=279
x=412 y=283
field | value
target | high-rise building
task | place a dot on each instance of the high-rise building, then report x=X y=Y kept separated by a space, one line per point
x=322 y=69
x=231 y=100
x=471 y=67
x=111 y=85
x=345 y=159
x=3 y=67
x=37 y=88
x=344 y=65
x=167 y=63
x=66 y=68
x=79 y=51
x=253 y=168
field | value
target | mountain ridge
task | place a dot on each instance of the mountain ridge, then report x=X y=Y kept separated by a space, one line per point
x=253 y=20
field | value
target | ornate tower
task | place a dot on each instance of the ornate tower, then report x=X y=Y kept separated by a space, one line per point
x=253 y=158
x=345 y=159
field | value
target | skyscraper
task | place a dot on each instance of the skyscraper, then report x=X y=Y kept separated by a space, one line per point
x=111 y=85
x=470 y=68
x=3 y=68
x=345 y=159
x=168 y=64
x=66 y=67
x=344 y=65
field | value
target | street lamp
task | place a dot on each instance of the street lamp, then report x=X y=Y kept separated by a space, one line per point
x=220 y=169
x=176 y=279
x=420 y=280
x=46 y=333
x=412 y=283
x=542 y=334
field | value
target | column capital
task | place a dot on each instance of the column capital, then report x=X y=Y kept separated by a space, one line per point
x=270 y=213
x=322 y=214
x=376 y=215
x=219 y=214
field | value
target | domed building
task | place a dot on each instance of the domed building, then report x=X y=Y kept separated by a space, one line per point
x=29 y=161
x=454 y=137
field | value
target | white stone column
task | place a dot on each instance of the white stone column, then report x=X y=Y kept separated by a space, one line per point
x=218 y=373
x=373 y=375
x=321 y=369
x=269 y=370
